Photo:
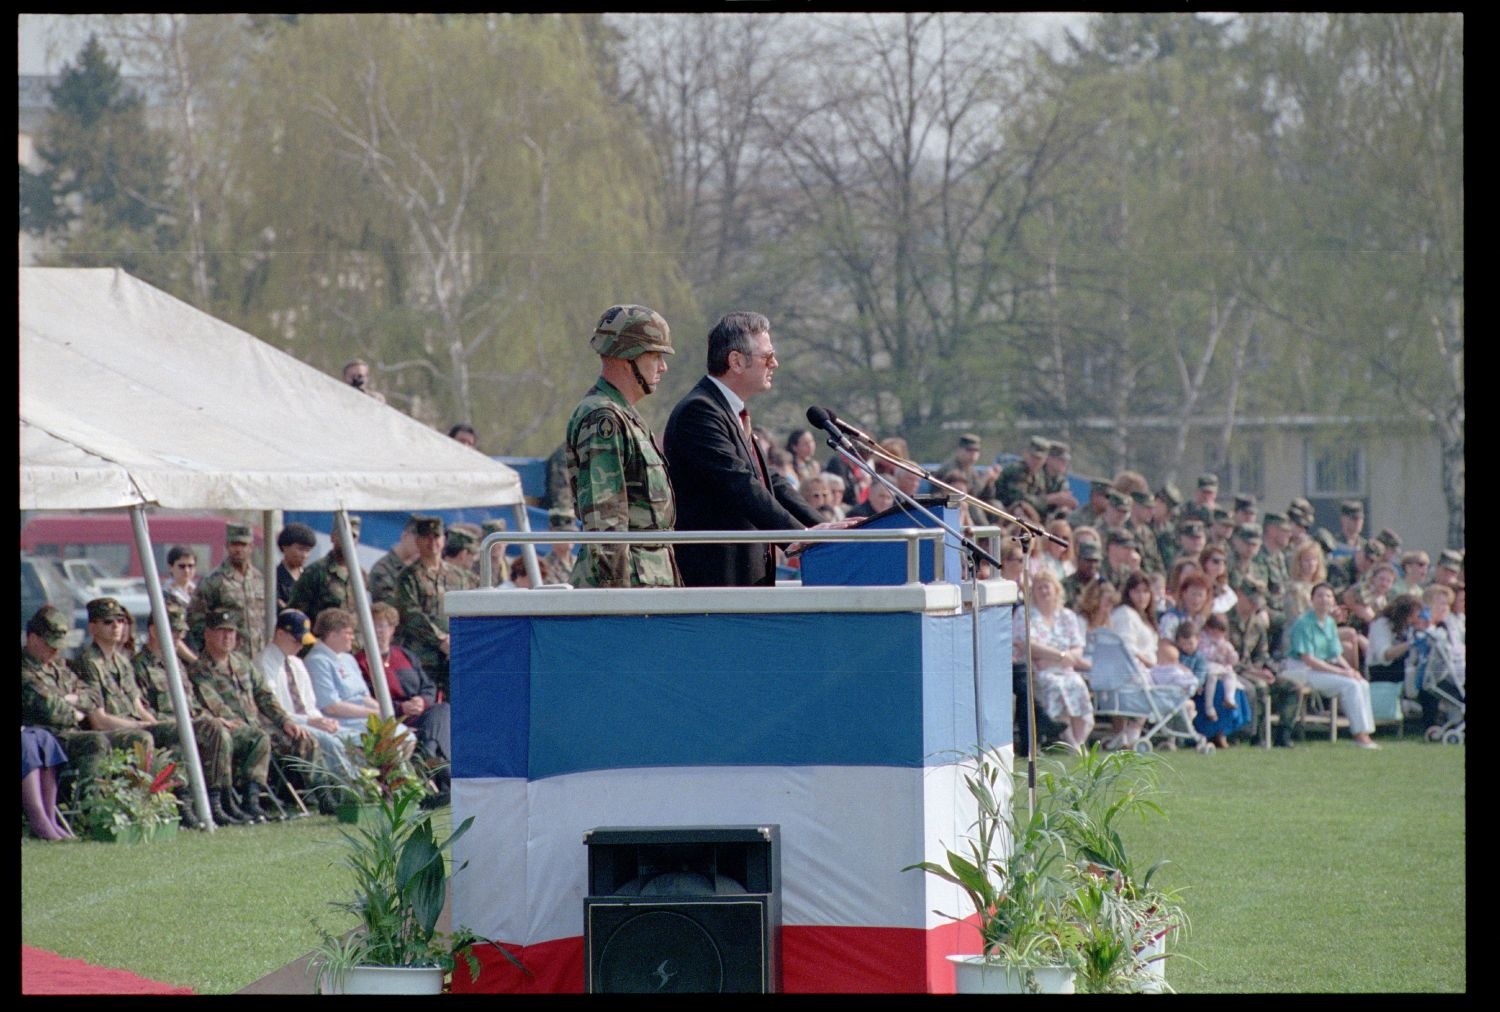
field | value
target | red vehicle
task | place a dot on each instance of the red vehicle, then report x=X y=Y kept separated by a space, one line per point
x=108 y=538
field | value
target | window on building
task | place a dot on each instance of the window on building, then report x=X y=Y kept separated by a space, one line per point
x=1335 y=469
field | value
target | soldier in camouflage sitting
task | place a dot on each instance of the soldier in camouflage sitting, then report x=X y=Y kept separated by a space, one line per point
x=387 y=570
x=235 y=585
x=561 y=558
x=155 y=706
x=231 y=690
x=326 y=582
x=55 y=698
x=616 y=470
x=1025 y=480
x=461 y=549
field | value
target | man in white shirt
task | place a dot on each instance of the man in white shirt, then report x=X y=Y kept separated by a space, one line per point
x=287 y=676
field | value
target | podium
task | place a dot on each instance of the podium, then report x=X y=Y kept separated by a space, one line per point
x=831 y=564
x=836 y=714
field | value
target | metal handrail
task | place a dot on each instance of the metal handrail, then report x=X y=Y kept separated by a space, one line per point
x=913 y=536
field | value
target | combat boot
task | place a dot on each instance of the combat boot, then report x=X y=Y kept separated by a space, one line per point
x=218 y=811
x=233 y=807
x=185 y=813
x=251 y=807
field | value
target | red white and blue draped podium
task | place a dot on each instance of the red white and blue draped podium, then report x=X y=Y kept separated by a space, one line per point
x=837 y=713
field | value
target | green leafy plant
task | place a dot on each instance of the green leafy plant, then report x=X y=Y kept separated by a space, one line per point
x=1058 y=886
x=400 y=873
x=132 y=787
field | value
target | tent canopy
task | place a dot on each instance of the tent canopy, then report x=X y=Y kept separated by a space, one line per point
x=130 y=396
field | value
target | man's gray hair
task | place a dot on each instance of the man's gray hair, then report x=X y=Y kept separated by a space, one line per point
x=733 y=333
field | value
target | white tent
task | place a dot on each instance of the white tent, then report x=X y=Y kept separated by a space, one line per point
x=201 y=415
x=132 y=398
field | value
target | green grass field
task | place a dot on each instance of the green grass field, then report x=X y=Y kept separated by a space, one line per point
x=1326 y=868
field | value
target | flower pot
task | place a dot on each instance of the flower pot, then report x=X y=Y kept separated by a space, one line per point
x=977 y=975
x=136 y=833
x=389 y=980
x=1154 y=969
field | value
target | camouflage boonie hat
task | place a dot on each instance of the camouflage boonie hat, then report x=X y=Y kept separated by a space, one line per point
x=1170 y=494
x=1221 y=515
x=492 y=527
x=1389 y=538
x=1191 y=526
x=560 y=519
x=459 y=539
x=1247 y=532
x=1451 y=559
x=1208 y=480
x=1244 y=502
x=1352 y=508
x=1059 y=449
x=1141 y=497
x=50 y=624
x=629 y=331
x=969 y=441
x=101 y=608
x=1275 y=520
x=238 y=534
x=1117 y=499
x=223 y=618
x=1119 y=536
x=1088 y=550
x=427 y=526
x=1039 y=444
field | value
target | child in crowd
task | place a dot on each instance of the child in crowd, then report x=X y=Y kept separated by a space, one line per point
x=1169 y=670
x=1219 y=658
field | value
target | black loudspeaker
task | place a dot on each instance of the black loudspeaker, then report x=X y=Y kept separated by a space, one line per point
x=685 y=909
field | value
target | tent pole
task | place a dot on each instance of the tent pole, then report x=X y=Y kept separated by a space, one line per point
x=270 y=525
x=528 y=550
x=345 y=534
x=174 y=672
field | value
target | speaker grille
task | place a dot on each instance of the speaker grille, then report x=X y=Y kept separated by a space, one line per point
x=686 y=945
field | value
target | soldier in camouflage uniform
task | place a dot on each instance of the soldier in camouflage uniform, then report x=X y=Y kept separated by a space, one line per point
x=1191 y=539
x=1248 y=566
x=562 y=557
x=1274 y=538
x=461 y=549
x=53 y=697
x=387 y=570
x=559 y=487
x=1057 y=493
x=154 y=700
x=1204 y=499
x=235 y=585
x=1025 y=479
x=326 y=582
x=1121 y=557
x=231 y=689
x=1351 y=526
x=1091 y=513
x=616 y=467
x=1164 y=522
x=1074 y=584
x=965 y=460
x=1139 y=524
x=423 y=631
x=1249 y=631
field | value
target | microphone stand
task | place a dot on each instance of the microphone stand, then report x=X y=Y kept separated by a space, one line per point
x=1029 y=532
x=842 y=447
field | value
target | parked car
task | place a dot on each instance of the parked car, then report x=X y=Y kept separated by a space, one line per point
x=43 y=582
x=108 y=538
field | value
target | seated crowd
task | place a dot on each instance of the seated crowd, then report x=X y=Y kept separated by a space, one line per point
x=1231 y=610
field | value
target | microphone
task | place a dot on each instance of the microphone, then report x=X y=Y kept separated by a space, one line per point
x=822 y=418
x=853 y=430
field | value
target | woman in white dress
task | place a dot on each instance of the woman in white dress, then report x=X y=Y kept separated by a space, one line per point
x=1134 y=621
x=1056 y=647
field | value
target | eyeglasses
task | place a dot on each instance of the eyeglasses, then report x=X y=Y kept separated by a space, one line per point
x=764 y=359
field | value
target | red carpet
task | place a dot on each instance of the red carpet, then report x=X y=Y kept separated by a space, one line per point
x=48 y=973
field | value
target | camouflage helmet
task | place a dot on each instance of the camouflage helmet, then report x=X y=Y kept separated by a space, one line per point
x=629 y=331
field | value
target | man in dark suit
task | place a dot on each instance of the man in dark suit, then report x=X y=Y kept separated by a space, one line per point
x=719 y=475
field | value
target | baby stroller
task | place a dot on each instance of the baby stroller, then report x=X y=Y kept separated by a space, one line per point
x=1435 y=667
x=1121 y=689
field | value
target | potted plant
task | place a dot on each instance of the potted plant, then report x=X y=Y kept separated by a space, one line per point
x=130 y=798
x=400 y=883
x=1011 y=871
x=1087 y=803
x=1060 y=904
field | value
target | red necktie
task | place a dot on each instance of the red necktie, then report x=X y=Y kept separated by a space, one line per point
x=750 y=439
